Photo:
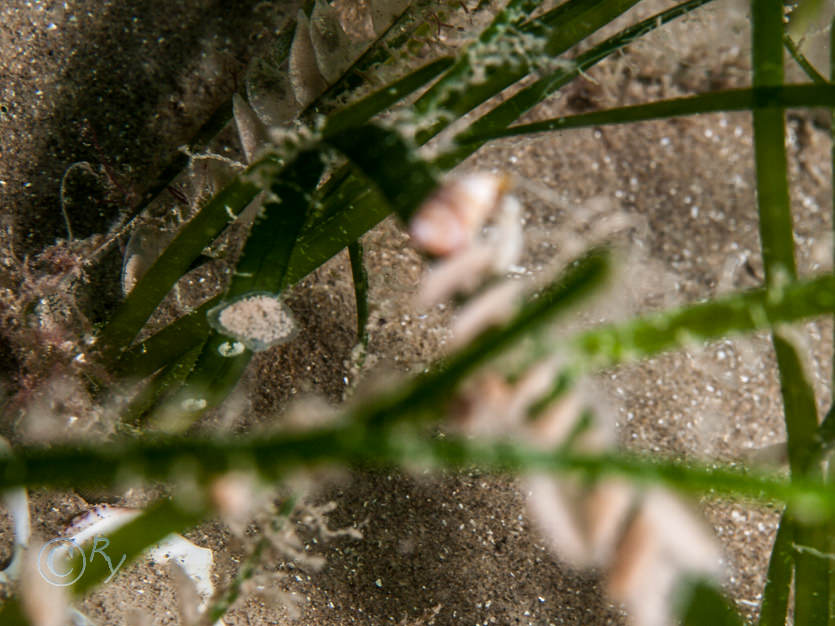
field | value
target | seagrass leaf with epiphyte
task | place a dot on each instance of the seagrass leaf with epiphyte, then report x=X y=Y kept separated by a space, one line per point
x=359 y=209
x=159 y=350
x=274 y=99
x=388 y=159
x=268 y=89
x=251 y=317
x=216 y=214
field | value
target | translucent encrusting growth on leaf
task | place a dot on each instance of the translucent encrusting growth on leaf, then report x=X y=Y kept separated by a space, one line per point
x=252 y=133
x=383 y=12
x=305 y=77
x=144 y=247
x=334 y=51
x=269 y=92
x=259 y=321
x=325 y=45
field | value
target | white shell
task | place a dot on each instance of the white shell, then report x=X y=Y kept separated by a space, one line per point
x=195 y=561
x=17 y=503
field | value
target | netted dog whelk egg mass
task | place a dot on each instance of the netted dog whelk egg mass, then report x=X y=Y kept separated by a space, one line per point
x=448 y=221
x=472 y=227
x=256 y=321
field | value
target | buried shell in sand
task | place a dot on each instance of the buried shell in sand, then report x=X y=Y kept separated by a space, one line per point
x=257 y=321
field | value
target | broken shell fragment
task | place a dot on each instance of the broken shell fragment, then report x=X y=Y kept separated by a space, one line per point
x=195 y=561
x=257 y=320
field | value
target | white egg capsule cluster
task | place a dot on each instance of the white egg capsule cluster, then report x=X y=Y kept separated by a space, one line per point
x=449 y=220
x=645 y=542
x=472 y=226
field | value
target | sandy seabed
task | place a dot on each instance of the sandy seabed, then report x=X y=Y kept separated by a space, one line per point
x=121 y=85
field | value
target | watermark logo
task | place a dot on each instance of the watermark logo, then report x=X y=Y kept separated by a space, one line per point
x=58 y=560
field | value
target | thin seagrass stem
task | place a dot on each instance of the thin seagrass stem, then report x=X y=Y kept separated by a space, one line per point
x=731 y=100
x=275 y=455
x=775 y=605
x=777 y=241
x=156 y=459
x=744 y=312
x=360 y=276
